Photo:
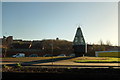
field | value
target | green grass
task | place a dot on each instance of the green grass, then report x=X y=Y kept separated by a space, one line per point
x=98 y=59
x=109 y=54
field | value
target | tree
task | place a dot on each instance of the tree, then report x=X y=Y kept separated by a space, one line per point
x=101 y=42
x=108 y=43
x=102 y=45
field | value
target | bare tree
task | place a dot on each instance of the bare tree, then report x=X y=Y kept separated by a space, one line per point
x=101 y=42
x=108 y=43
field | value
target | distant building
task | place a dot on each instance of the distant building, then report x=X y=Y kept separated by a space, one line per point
x=79 y=44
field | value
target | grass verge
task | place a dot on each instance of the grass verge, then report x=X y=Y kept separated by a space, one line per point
x=98 y=59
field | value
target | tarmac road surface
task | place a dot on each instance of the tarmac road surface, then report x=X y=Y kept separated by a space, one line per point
x=61 y=63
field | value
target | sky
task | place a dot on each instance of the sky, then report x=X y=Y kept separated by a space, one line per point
x=0 y=19
x=49 y=20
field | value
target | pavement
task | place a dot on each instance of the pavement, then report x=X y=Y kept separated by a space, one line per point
x=63 y=63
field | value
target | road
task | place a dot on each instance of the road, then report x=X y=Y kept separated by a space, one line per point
x=61 y=63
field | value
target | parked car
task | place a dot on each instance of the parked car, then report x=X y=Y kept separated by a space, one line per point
x=61 y=55
x=19 y=55
x=72 y=55
x=33 y=55
x=47 y=55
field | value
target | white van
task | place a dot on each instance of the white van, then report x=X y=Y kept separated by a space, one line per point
x=19 y=55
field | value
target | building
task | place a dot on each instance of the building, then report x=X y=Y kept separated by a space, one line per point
x=79 y=44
